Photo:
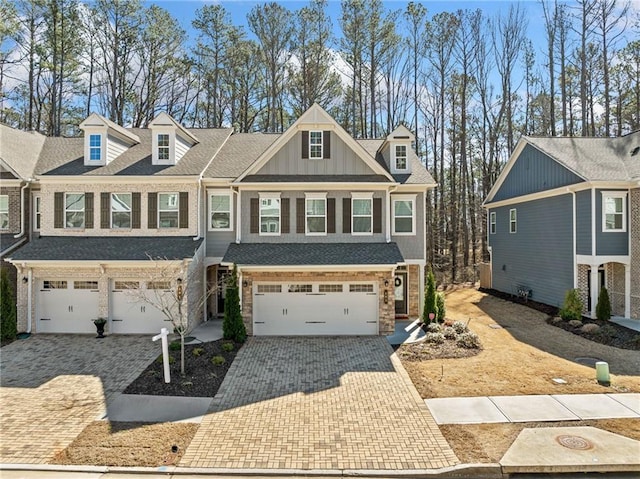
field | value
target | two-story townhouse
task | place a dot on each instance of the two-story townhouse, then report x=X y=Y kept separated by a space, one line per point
x=19 y=152
x=327 y=232
x=117 y=220
x=565 y=213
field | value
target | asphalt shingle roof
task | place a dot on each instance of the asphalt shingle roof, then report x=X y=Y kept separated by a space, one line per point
x=239 y=152
x=300 y=254
x=419 y=174
x=318 y=178
x=20 y=150
x=107 y=248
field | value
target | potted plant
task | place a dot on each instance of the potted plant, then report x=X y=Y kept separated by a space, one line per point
x=100 y=324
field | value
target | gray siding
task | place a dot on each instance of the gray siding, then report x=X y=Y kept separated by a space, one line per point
x=218 y=242
x=539 y=256
x=610 y=243
x=412 y=247
x=532 y=172
x=288 y=160
x=583 y=222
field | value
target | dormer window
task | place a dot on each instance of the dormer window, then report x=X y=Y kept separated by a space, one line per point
x=163 y=147
x=399 y=142
x=315 y=145
x=104 y=140
x=170 y=140
x=95 y=147
x=400 y=157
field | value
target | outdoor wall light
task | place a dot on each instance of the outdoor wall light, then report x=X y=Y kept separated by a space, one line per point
x=25 y=280
x=386 y=283
x=179 y=292
x=245 y=283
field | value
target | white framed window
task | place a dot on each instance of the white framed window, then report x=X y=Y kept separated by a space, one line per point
x=120 y=210
x=315 y=145
x=74 y=210
x=165 y=285
x=270 y=214
x=220 y=211
x=316 y=214
x=168 y=212
x=4 y=212
x=492 y=222
x=400 y=157
x=404 y=218
x=513 y=220
x=269 y=288
x=362 y=213
x=53 y=284
x=163 y=147
x=300 y=288
x=95 y=147
x=37 y=218
x=85 y=285
x=330 y=288
x=614 y=211
x=361 y=288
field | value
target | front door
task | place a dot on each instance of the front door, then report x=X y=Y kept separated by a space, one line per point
x=400 y=283
x=221 y=283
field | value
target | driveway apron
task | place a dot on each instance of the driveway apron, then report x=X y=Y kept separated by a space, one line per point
x=53 y=386
x=318 y=403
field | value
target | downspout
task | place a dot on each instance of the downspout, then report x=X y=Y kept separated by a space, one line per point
x=29 y=299
x=22 y=212
x=236 y=191
x=390 y=190
x=199 y=196
x=573 y=223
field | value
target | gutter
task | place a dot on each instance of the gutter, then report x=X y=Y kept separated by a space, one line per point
x=22 y=212
x=29 y=299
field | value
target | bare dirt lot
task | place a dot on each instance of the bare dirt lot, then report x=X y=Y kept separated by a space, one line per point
x=521 y=355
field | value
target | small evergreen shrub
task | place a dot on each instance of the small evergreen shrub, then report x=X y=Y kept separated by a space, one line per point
x=572 y=306
x=468 y=340
x=433 y=328
x=174 y=346
x=590 y=328
x=233 y=327
x=228 y=347
x=575 y=323
x=8 y=324
x=460 y=327
x=197 y=352
x=607 y=331
x=430 y=302
x=217 y=360
x=603 y=308
x=442 y=310
x=435 y=338
x=449 y=333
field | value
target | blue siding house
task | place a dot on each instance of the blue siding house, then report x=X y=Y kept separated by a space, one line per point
x=565 y=213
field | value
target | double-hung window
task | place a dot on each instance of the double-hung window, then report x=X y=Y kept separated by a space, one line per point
x=315 y=145
x=220 y=211
x=4 y=212
x=121 y=210
x=163 y=147
x=614 y=211
x=168 y=211
x=362 y=214
x=316 y=213
x=401 y=157
x=513 y=220
x=74 y=210
x=492 y=223
x=95 y=147
x=269 y=214
x=404 y=215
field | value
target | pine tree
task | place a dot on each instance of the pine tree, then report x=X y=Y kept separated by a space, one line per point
x=430 y=301
x=603 y=308
x=233 y=327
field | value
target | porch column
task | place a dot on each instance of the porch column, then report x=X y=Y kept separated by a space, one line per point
x=627 y=290
x=595 y=289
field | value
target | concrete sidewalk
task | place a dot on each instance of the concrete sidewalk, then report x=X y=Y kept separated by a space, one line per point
x=557 y=407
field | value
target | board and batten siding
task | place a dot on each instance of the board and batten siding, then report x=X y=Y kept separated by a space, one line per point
x=532 y=172
x=611 y=243
x=412 y=247
x=539 y=256
x=583 y=222
x=288 y=160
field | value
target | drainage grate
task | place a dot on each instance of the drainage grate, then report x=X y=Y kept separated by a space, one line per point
x=574 y=442
x=587 y=361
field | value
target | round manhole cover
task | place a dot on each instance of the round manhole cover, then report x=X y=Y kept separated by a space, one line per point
x=574 y=442
x=587 y=361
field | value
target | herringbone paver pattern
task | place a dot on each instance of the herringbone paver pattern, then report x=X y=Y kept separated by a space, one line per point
x=318 y=403
x=53 y=386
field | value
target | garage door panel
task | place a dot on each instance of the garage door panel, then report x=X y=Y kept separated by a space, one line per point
x=67 y=306
x=132 y=314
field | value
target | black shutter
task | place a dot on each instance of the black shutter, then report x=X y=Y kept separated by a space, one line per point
x=183 y=209
x=305 y=144
x=346 y=215
x=326 y=144
x=105 y=210
x=377 y=215
x=254 y=215
x=58 y=209
x=285 y=215
x=300 y=216
x=331 y=215
x=88 y=210
x=152 y=210
x=135 y=210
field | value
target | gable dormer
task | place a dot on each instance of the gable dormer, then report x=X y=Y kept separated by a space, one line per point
x=104 y=140
x=170 y=140
x=400 y=141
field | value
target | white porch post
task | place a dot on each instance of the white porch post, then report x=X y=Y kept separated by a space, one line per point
x=595 y=289
x=627 y=290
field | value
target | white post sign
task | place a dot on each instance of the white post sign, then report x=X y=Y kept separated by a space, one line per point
x=164 y=332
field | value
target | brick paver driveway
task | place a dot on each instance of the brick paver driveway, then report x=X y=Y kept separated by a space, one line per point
x=318 y=403
x=54 y=385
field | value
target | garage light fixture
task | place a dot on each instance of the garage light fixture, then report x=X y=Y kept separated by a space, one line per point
x=245 y=283
x=25 y=280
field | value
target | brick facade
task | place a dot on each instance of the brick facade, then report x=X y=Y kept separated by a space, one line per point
x=386 y=311
x=414 y=271
x=634 y=232
x=14 y=208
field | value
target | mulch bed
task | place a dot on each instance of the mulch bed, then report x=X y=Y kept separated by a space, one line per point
x=202 y=377
x=423 y=351
x=610 y=334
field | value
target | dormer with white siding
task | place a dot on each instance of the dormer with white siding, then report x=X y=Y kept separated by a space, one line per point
x=400 y=141
x=170 y=140
x=104 y=140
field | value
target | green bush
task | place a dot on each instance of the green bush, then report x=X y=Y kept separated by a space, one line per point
x=442 y=310
x=228 y=347
x=217 y=360
x=433 y=328
x=430 y=302
x=8 y=325
x=572 y=306
x=233 y=327
x=460 y=327
x=449 y=333
x=603 y=308
x=174 y=346
x=197 y=352
x=468 y=340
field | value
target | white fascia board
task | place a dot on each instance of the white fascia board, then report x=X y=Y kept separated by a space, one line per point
x=315 y=268
x=12 y=183
x=350 y=186
x=601 y=259
x=117 y=179
x=101 y=265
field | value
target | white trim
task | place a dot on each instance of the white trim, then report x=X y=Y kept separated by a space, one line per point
x=210 y=194
x=84 y=210
x=177 y=210
x=593 y=222
x=573 y=230
x=493 y=228
x=412 y=199
x=267 y=196
x=513 y=222
x=315 y=196
x=155 y=156
x=598 y=260
x=110 y=179
x=111 y=210
x=322 y=267
x=37 y=198
x=321 y=145
x=394 y=158
x=358 y=195
x=7 y=213
x=614 y=194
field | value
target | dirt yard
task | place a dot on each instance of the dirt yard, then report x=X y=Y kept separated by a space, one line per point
x=521 y=354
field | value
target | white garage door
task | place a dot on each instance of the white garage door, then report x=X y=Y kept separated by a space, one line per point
x=67 y=306
x=131 y=314
x=288 y=309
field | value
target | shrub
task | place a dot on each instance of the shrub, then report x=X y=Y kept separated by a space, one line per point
x=449 y=333
x=442 y=310
x=174 y=346
x=590 y=328
x=460 y=327
x=430 y=304
x=572 y=306
x=233 y=327
x=468 y=340
x=607 y=331
x=197 y=352
x=603 y=308
x=435 y=338
x=575 y=323
x=8 y=325
x=228 y=347
x=217 y=360
x=433 y=328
